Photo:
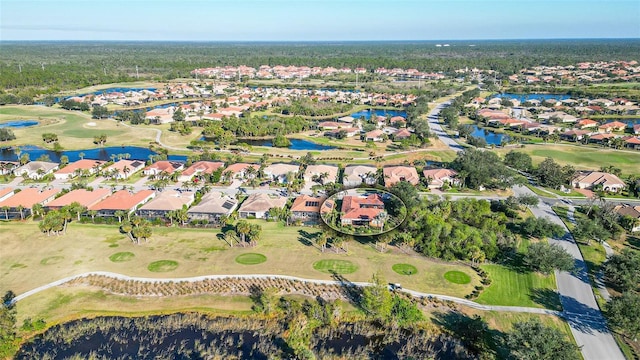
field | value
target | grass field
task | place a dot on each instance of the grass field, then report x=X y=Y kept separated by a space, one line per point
x=71 y=127
x=122 y=256
x=29 y=258
x=582 y=157
x=513 y=288
x=163 y=266
x=251 y=259
x=457 y=277
x=331 y=266
x=407 y=269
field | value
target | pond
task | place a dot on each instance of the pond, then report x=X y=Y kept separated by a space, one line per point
x=379 y=112
x=534 y=96
x=492 y=138
x=112 y=90
x=135 y=153
x=296 y=144
x=18 y=124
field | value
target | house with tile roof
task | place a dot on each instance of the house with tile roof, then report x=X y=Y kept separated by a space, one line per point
x=363 y=210
x=163 y=166
x=7 y=167
x=35 y=170
x=123 y=169
x=612 y=126
x=84 y=197
x=439 y=177
x=19 y=205
x=354 y=175
x=278 y=172
x=258 y=205
x=166 y=201
x=200 y=168
x=5 y=193
x=212 y=207
x=395 y=174
x=632 y=211
x=594 y=179
x=122 y=200
x=87 y=166
x=306 y=208
x=240 y=170
x=323 y=174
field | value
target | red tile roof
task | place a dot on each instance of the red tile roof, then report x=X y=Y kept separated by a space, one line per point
x=82 y=196
x=123 y=200
x=29 y=197
x=84 y=164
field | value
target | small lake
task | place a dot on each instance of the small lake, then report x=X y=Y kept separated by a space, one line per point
x=377 y=112
x=534 y=96
x=489 y=136
x=112 y=90
x=296 y=144
x=135 y=152
x=18 y=124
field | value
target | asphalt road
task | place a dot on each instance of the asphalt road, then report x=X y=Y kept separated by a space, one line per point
x=579 y=305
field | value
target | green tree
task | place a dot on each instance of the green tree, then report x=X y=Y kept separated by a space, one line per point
x=531 y=340
x=552 y=175
x=623 y=270
x=243 y=228
x=587 y=229
x=545 y=258
x=623 y=313
x=541 y=228
x=518 y=160
x=376 y=299
x=178 y=115
x=482 y=168
x=100 y=112
x=6 y=134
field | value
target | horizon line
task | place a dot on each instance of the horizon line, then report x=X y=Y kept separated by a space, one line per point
x=315 y=41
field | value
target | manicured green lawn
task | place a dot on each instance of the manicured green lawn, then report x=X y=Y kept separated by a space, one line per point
x=251 y=259
x=122 y=256
x=163 y=266
x=335 y=266
x=457 y=277
x=512 y=288
x=406 y=269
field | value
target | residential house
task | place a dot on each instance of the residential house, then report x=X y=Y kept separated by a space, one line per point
x=200 y=168
x=258 y=205
x=166 y=201
x=35 y=169
x=596 y=179
x=306 y=208
x=601 y=137
x=397 y=121
x=346 y=119
x=163 y=166
x=374 y=135
x=77 y=168
x=631 y=211
x=7 y=167
x=212 y=207
x=329 y=125
x=586 y=123
x=6 y=193
x=323 y=174
x=278 y=172
x=354 y=175
x=632 y=142
x=574 y=135
x=122 y=200
x=395 y=174
x=348 y=132
x=240 y=170
x=401 y=134
x=636 y=129
x=84 y=197
x=18 y=206
x=123 y=169
x=437 y=178
x=612 y=126
x=363 y=210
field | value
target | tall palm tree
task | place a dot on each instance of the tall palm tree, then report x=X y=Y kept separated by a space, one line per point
x=119 y=214
x=20 y=208
x=37 y=210
x=243 y=228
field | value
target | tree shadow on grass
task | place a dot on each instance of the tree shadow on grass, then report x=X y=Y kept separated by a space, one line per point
x=550 y=299
x=634 y=242
x=307 y=238
x=514 y=261
x=474 y=333
x=350 y=290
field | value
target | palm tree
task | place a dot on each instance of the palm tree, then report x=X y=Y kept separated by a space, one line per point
x=81 y=155
x=20 y=208
x=93 y=214
x=322 y=241
x=243 y=228
x=126 y=170
x=119 y=214
x=255 y=231
x=37 y=210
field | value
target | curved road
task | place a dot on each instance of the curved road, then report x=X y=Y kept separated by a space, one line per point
x=579 y=305
x=417 y=294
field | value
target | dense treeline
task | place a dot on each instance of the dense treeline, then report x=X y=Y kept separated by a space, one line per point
x=256 y=126
x=64 y=65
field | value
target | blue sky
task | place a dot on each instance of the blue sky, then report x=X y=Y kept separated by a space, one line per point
x=316 y=20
